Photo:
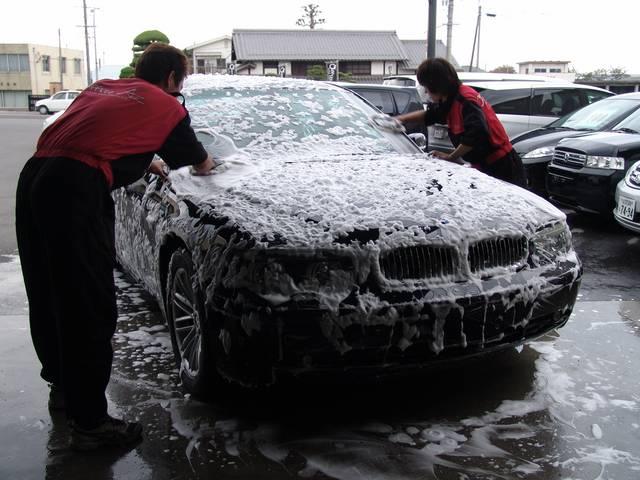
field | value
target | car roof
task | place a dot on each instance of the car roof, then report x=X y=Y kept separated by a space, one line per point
x=491 y=77
x=629 y=96
x=377 y=86
x=525 y=84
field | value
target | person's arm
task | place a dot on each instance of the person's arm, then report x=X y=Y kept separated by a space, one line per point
x=455 y=156
x=415 y=116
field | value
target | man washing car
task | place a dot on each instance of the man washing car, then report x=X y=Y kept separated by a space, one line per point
x=106 y=139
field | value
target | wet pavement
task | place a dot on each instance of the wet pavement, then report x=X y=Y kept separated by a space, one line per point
x=566 y=406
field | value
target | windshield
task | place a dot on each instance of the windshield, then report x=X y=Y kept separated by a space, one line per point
x=269 y=119
x=597 y=116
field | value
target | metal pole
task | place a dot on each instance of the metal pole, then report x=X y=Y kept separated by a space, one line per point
x=449 y=29
x=431 y=39
x=86 y=42
x=60 y=59
x=95 y=42
x=479 y=30
x=475 y=37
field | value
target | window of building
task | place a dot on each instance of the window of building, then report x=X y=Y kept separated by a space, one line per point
x=24 y=62
x=270 y=68
x=555 y=70
x=77 y=66
x=14 y=62
x=355 y=68
x=46 y=66
x=63 y=64
x=540 y=70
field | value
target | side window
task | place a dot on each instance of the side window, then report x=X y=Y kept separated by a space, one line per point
x=60 y=96
x=72 y=95
x=511 y=102
x=380 y=99
x=555 y=102
x=402 y=101
x=593 y=96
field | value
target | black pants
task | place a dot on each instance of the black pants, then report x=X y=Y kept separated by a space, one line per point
x=64 y=225
x=508 y=168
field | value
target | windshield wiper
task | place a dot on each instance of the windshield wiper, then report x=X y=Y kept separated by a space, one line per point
x=626 y=130
x=551 y=127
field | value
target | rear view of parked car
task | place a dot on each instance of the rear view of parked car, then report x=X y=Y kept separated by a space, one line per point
x=585 y=171
x=56 y=102
x=536 y=146
x=627 y=211
x=523 y=106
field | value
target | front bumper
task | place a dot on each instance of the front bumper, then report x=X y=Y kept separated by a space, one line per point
x=633 y=194
x=536 y=175
x=587 y=189
x=405 y=331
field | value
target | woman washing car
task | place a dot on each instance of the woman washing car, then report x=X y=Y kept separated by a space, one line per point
x=474 y=129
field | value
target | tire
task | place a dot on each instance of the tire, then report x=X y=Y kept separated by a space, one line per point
x=188 y=327
x=43 y=110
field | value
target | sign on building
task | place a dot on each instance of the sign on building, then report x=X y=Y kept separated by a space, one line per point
x=332 y=71
x=231 y=69
x=282 y=71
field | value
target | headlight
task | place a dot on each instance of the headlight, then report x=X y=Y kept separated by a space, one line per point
x=610 y=163
x=550 y=243
x=539 y=152
x=633 y=176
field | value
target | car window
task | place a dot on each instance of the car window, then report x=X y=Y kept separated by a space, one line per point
x=380 y=99
x=632 y=122
x=514 y=102
x=555 y=102
x=402 y=82
x=73 y=94
x=59 y=96
x=592 y=96
x=402 y=101
x=292 y=120
x=598 y=116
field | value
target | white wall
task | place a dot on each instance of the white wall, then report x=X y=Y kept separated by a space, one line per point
x=377 y=68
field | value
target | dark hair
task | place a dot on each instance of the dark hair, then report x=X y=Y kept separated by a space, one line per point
x=158 y=60
x=438 y=76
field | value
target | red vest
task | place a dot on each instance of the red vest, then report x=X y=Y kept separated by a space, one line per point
x=498 y=137
x=112 y=119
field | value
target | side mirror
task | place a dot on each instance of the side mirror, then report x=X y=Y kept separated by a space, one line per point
x=419 y=139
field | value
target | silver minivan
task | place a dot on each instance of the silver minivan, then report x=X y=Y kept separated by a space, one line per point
x=522 y=106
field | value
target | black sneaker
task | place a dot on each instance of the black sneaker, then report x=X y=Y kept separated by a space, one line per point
x=112 y=432
x=56 y=398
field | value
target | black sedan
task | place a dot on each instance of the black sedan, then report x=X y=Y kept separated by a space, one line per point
x=536 y=146
x=325 y=245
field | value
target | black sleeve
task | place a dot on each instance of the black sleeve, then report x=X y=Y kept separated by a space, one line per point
x=435 y=113
x=182 y=148
x=476 y=131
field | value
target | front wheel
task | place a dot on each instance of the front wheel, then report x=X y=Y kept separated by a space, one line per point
x=187 y=324
x=43 y=110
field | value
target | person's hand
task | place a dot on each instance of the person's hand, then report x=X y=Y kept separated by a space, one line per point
x=386 y=122
x=158 y=167
x=204 y=168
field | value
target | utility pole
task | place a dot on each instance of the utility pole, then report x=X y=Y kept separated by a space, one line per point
x=60 y=59
x=86 y=42
x=431 y=37
x=475 y=37
x=95 y=40
x=449 y=28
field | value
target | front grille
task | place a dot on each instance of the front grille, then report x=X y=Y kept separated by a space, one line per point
x=568 y=159
x=418 y=262
x=497 y=252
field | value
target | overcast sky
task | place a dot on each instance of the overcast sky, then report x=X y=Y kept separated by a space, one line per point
x=590 y=34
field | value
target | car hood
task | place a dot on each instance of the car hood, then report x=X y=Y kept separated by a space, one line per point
x=528 y=142
x=400 y=199
x=603 y=143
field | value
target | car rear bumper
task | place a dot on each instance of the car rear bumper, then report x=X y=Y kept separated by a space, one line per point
x=588 y=189
x=633 y=195
x=406 y=331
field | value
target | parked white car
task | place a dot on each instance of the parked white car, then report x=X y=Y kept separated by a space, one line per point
x=522 y=106
x=465 y=77
x=627 y=211
x=56 y=102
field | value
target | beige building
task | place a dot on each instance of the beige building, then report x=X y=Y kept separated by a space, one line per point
x=29 y=69
x=548 y=68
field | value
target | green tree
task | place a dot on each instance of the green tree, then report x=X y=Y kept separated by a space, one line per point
x=140 y=43
x=310 y=17
x=317 y=72
x=612 y=73
x=504 y=69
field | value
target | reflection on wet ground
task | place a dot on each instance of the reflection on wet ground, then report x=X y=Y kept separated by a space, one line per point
x=562 y=407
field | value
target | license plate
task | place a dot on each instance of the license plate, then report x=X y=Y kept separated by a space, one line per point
x=438 y=132
x=626 y=207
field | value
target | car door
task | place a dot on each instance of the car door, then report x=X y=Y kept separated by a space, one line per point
x=71 y=96
x=513 y=108
x=58 y=102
